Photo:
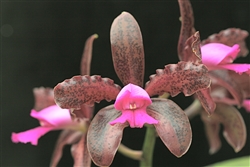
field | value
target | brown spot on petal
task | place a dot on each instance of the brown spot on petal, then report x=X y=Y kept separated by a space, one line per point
x=173 y=127
x=185 y=77
x=127 y=49
x=103 y=139
x=187 y=27
x=74 y=92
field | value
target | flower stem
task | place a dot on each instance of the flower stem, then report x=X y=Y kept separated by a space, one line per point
x=194 y=109
x=133 y=154
x=148 y=147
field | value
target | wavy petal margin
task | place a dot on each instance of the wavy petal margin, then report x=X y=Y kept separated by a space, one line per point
x=192 y=50
x=185 y=77
x=74 y=92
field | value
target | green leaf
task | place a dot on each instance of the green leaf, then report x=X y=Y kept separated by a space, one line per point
x=240 y=162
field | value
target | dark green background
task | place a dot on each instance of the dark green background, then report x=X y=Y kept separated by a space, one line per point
x=46 y=46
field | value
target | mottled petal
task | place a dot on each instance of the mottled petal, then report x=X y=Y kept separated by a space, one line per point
x=132 y=94
x=173 y=128
x=31 y=135
x=186 y=77
x=127 y=49
x=52 y=115
x=216 y=53
x=103 y=139
x=79 y=90
x=187 y=27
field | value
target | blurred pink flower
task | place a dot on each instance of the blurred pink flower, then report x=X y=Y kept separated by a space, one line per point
x=246 y=105
x=50 y=118
x=220 y=56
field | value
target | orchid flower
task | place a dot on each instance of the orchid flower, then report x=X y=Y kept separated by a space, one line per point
x=237 y=84
x=82 y=116
x=50 y=118
x=220 y=56
x=133 y=105
x=228 y=87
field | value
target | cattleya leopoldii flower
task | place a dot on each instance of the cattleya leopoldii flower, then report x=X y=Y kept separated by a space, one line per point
x=233 y=79
x=228 y=88
x=133 y=105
